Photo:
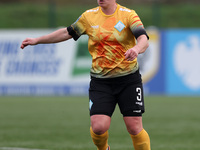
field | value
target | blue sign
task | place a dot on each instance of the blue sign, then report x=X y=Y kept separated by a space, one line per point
x=182 y=61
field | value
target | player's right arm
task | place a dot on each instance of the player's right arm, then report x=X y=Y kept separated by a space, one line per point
x=54 y=37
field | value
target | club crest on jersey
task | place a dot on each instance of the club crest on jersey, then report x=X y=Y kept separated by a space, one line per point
x=119 y=26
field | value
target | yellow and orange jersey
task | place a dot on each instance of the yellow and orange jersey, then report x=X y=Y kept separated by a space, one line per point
x=110 y=36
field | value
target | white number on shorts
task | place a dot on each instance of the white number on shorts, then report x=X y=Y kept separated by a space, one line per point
x=139 y=91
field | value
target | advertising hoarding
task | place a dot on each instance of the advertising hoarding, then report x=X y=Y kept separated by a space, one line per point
x=182 y=51
x=41 y=69
x=169 y=66
x=152 y=65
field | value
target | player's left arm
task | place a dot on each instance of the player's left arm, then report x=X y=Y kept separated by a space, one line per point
x=140 y=47
x=140 y=35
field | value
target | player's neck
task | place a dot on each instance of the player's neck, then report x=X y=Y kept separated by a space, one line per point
x=109 y=10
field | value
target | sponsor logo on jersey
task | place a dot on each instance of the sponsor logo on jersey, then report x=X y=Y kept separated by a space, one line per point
x=95 y=27
x=124 y=9
x=93 y=10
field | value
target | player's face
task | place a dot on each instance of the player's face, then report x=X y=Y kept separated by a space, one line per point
x=106 y=3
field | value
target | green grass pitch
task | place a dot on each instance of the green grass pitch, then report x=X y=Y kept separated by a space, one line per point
x=62 y=123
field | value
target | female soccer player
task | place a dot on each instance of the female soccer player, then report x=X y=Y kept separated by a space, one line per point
x=115 y=79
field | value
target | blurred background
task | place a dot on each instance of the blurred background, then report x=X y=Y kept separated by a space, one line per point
x=44 y=88
x=170 y=66
x=54 y=13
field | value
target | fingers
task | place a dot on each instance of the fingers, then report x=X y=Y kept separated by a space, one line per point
x=130 y=55
x=25 y=43
x=23 y=46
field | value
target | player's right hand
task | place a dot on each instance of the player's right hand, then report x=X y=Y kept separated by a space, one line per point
x=28 y=41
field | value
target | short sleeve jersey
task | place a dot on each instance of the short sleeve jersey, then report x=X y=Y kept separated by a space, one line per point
x=110 y=36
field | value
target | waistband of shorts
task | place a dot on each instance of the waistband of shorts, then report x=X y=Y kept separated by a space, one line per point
x=131 y=76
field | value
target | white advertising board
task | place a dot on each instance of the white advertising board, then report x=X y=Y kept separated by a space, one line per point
x=41 y=69
x=55 y=69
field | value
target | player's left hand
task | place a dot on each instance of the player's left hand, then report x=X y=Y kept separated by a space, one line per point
x=131 y=54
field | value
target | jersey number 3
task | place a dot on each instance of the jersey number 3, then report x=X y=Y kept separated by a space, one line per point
x=139 y=93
